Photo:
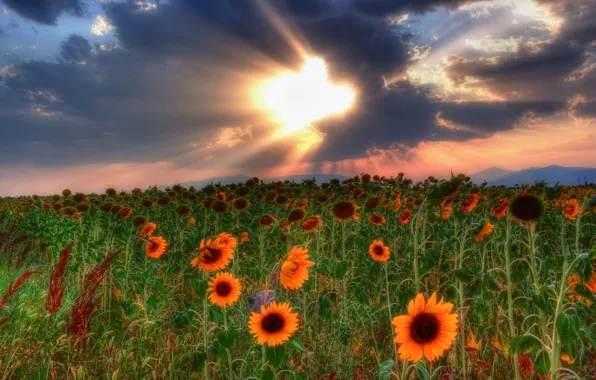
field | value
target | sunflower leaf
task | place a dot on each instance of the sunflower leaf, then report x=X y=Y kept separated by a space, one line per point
x=568 y=327
x=422 y=371
x=521 y=343
x=385 y=369
x=276 y=355
x=542 y=362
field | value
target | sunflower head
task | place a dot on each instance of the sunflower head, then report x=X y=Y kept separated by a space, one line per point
x=344 y=210
x=155 y=247
x=571 y=209
x=241 y=203
x=139 y=221
x=311 y=224
x=274 y=325
x=224 y=289
x=296 y=215
x=427 y=330
x=219 y=206
x=376 y=219
x=378 y=251
x=213 y=255
x=294 y=270
x=267 y=220
x=526 y=207
x=183 y=210
x=147 y=230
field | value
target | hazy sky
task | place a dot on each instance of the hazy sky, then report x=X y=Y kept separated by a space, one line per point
x=99 y=93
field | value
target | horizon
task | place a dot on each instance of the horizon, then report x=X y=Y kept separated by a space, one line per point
x=97 y=94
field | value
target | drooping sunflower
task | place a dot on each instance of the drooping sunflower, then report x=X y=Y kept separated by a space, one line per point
x=405 y=216
x=274 y=324
x=373 y=203
x=243 y=237
x=224 y=289
x=377 y=220
x=379 y=251
x=155 y=247
x=427 y=330
x=147 y=230
x=486 y=230
x=213 y=255
x=571 y=209
x=501 y=209
x=294 y=270
x=267 y=220
x=125 y=213
x=344 y=210
x=470 y=203
x=311 y=224
x=296 y=215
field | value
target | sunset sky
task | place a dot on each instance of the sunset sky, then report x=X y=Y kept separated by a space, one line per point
x=102 y=93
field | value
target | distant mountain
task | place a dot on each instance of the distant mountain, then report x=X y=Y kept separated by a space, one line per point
x=550 y=174
x=489 y=174
x=320 y=178
x=204 y=182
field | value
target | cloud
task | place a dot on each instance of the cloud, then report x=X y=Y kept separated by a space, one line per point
x=75 y=49
x=46 y=11
x=101 y=26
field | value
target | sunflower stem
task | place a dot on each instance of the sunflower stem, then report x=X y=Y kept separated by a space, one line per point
x=510 y=292
x=228 y=351
x=205 y=329
x=385 y=265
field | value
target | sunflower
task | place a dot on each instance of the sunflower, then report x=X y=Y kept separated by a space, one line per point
x=470 y=203
x=501 y=209
x=311 y=224
x=294 y=270
x=274 y=324
x=213 y=255
x=405 y=217
x=224 y=289
x=155 y=247
x=428 y=330
x=191 y=220
x=219 y=205
x=571 y=209
x=345 y=210
x=125 y=213
x=572 y=284
x=377 y=220
x=221 y=196
x=183 y=210
x=526 y=207
x=227 y=239
x=296 y=215
x=243 y=237
x=147 y=230
x=486 y=230
x=241 y=203
x=267 y=220
x=46 y=206
x=373 y=203
x=378 y=251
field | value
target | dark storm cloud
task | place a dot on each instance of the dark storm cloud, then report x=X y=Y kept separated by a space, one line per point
x=497 y=116
x=388 y=7
x=528 y=75
x=75 y=49
x=46 y=11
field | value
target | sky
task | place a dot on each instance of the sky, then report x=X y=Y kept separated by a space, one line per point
x=113 y=93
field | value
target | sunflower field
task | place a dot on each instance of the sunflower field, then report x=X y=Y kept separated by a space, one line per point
x=366 y=278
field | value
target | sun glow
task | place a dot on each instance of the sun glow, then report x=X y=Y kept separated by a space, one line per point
x=299 y=99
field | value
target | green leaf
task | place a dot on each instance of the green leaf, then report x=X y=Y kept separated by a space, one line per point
x=385 y=369
x=324 y=306
x=568 y=328
x=463 y=275
x=267 y=375
x=590 y=333
x=297 y=344
x=341 y=268
x=227 y=337
x=421 y=371
x=542 y=363
x=198 y=359
x=521 y=343
x=275 y=355
x=540 y=299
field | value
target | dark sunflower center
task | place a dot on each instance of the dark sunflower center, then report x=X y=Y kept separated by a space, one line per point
x=424 y=328
x=223 y=288
x=213 y=255
x=378 y=250
x=153 y=246
x=343 y=210
x=273 y=323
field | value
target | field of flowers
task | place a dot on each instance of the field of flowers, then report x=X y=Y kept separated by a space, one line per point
x=371 y=277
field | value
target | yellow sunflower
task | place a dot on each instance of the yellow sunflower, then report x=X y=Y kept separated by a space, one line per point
x=294 y=270
x=224 y=289
x=274 y=324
